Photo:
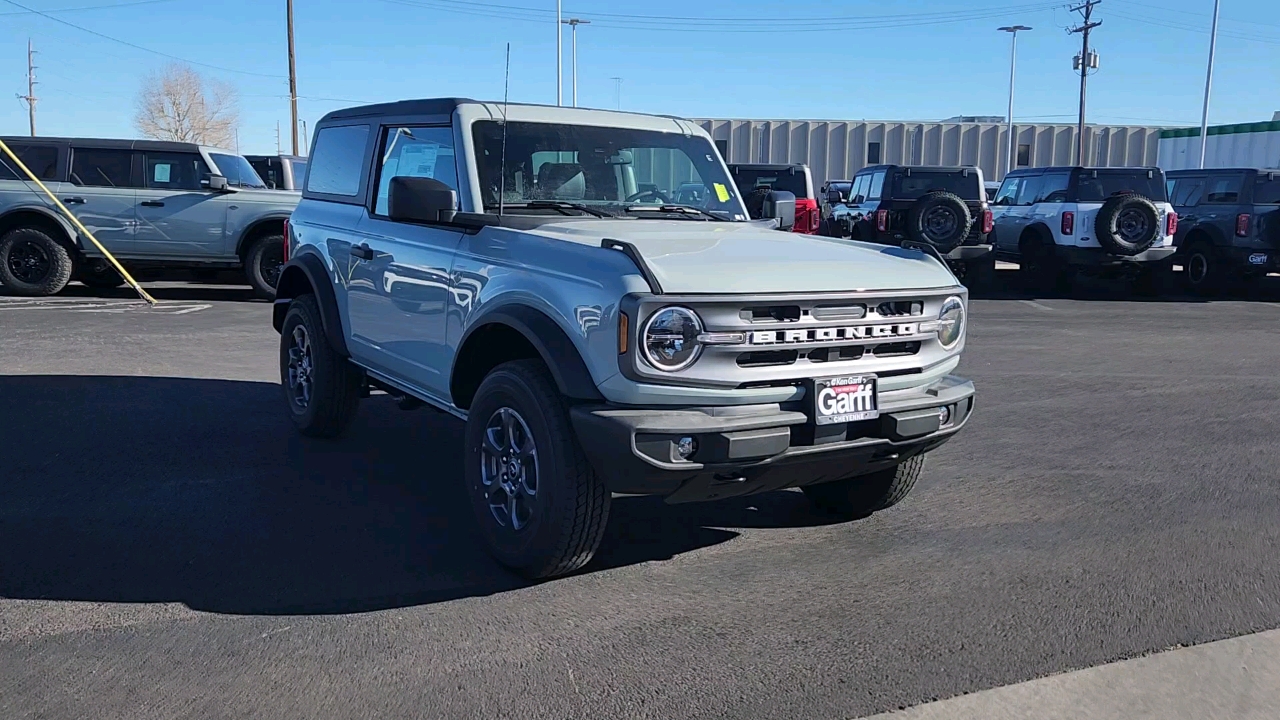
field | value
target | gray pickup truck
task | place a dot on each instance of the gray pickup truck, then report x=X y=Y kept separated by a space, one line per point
x=1228 y=225
x=153 y=205
x=528 y=270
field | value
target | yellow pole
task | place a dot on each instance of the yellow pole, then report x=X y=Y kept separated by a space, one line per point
x=76 y=221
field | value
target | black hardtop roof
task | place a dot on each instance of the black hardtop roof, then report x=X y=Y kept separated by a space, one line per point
x=281 y=156
x=930 y=168
x=1071 y=168
x=105 y=143
x=433 y=106
x=769 y=166
x=1201 y=171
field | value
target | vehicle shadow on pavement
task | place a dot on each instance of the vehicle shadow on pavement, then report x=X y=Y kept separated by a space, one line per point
x=142 y=489
x=1009 y=286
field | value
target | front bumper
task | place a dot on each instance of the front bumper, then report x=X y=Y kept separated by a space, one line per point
x=744 y=450
x=1098 y=257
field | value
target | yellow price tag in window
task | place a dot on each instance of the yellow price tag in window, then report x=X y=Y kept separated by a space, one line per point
x=722 y=192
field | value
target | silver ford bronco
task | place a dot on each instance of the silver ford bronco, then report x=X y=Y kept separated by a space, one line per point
x=536 y=272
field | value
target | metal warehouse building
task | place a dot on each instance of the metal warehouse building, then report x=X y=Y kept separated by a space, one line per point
x=837 y=149
x=1243 y=145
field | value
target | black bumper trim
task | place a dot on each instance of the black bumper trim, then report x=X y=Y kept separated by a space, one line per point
x=1095 y=257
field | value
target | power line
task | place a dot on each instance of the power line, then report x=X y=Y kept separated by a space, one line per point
x=46 y=15
x=60 y=11
x=1085 y=62
x=1192 y=13
x=1175 y=25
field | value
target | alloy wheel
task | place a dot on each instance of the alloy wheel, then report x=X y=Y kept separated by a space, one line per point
x=301 y=367
x=509 y=469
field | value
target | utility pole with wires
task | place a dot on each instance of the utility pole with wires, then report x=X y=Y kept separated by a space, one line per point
x=293 y=77
x=278 y=138
x=1084 y=62
x=30 y=97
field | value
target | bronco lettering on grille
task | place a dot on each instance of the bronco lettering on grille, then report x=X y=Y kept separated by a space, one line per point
x=818 y=335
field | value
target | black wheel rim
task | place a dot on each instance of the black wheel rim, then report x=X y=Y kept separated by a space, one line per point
x=28 y=262
x=1197 y=268
x=940 y=223
x=509 y=469
x=1133 y=225
x=271 y=263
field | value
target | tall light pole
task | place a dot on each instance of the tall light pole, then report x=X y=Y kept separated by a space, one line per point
x=559 y=57
x=1208 y=84
x=574 y=23
x=1013 y=31
x=293 y=78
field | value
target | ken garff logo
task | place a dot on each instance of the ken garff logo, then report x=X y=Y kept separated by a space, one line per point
x=857 y=396
x=818 y=335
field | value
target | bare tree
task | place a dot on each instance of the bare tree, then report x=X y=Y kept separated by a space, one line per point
x=180 y=104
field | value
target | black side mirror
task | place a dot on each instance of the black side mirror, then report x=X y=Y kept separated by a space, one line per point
x=781 y=206
x=835 y=197
x=216 y=183
x=422 y=200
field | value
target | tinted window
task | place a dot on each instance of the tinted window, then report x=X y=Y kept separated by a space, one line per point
x=237 y=171
x=922 y=181
x=1053 y=188
x=861 y=185
x=1187 y=192
x=102 y=168
x=1008 y=191
x=267 y=169
x=425 y=152
x=1098 y=185
x=1267 y=190
x=41 y=160
x=749 y=179
x=174 y=171
x=299 y=172
x=1224 y=189
x=338 y=160
x=1029 y=190
x=877 y=184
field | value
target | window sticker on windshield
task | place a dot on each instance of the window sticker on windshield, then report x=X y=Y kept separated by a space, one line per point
x=419 y=160
x=722 y=192
x=162 y=173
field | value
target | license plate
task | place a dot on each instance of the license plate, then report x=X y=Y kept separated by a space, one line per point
x=1258 y=259
x=845 y=399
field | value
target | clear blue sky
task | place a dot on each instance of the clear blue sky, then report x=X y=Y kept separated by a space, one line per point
x=889 y=60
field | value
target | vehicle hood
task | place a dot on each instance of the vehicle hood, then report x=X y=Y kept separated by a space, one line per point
x=711 y=257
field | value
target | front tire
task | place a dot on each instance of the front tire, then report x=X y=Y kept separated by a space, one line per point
x=540 y=506
x=858 y=497
x=263 y=263
x=32 y=264
x=321 y=387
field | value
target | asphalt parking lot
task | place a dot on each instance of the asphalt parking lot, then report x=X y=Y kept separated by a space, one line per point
x=170 y=548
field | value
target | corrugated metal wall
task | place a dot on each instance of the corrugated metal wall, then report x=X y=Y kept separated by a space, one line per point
x=834 y=149
x=1253 y=149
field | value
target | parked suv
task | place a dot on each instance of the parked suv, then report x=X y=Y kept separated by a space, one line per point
x=1059 y=221
x=151 y=204
x=838 y=189
x=525 y=268
x=280 y=172
x=1228 y=225
x=945 y=207
x=755 y=181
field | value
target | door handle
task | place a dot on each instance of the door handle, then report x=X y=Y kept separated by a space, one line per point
x=151 y=203
x=73 y=201
x=362 y=251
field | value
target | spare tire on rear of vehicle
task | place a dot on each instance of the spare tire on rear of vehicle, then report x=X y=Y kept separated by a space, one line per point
x=940 y=219
x=1127 y=224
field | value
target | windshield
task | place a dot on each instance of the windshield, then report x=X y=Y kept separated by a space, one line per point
x=237 y=171
x=1110 y=182
x=610 y=169
x=919 y=182
x=749 y=178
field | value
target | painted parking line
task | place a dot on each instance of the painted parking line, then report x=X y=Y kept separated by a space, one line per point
x=88 y=305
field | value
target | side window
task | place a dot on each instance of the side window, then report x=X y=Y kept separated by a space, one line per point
x=1008 y=192
x=1053 y=188
x=861 y=185
x=39 y=159
x=1224 y=189
x=1029 y=191
x=337 y=160
x=423 y=152
x=266 y=169
x=1187 y=192
x=877 y=184
x=102 y=168
x=174 y=171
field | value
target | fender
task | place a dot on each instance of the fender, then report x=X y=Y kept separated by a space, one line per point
x=305 y=273
x=252 y=228
x=49 y=214
x=554 y=346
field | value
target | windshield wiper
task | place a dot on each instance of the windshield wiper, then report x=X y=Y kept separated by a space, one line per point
x=560 y=205
x=675 y=210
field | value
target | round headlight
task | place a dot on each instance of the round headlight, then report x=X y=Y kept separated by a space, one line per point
x=670 y=339
x=951 y=322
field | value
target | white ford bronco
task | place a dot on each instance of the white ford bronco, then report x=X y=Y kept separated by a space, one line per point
x=533 y=271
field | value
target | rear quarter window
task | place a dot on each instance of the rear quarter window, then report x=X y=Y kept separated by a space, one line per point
x=39 y=159
x=337 y=161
